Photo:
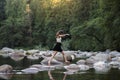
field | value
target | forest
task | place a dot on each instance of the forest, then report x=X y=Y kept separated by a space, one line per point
x=94 y=25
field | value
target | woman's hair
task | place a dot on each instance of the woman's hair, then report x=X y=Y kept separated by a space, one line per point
x=60 y=32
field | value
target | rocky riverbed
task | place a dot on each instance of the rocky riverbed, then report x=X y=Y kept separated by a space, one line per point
x=101 y=62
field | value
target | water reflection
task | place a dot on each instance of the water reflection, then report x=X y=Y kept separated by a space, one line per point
x=57 y=74
x=51 y=77
x=6 y=76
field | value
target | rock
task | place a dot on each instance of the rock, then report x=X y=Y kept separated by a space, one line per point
x=102 y=57
x=45 y=67
x=114 y=64
x=42 y=67
x=7 y=50
x=17 y=55
x=90 y=61
x=84 y=67
x=114 y=53
x=30 y=70
x=32 y=51
x=72 y=67
x=101 y=66
x=69 y=73
x=53 y=62
x=4 y=54
x=32 y=57
x=6 y=68
x=81 y=62
x=59 y=57
x=46 y=53
x=39 y=66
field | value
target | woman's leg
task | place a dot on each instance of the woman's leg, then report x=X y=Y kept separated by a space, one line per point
x=65 y=58
x=49 y=62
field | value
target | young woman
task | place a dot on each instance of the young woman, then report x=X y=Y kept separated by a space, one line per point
x=57 y=47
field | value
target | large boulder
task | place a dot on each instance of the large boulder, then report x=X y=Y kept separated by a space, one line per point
x=5 y=51
x=59 y=57
x=101 y=66
x=114 y=64
x=6 y=68
x=17 y=55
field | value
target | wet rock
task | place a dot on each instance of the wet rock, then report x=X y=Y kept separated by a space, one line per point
x=59 y=57
x=114 y=64
x=30 y=70
x=32 y=51
x=84 y=67
x=17 y=55
x=48 y=67
x=72 y=67
x=81 y=62
x=101 y=66
x=90 y=61
x=7 y=50
x=39 y=66
x=53 y=62
x=69 y=73
x=42 y=67
x=6 y=68
x=114 y=53
x=33 y=57
x=46 y=53
x=102 y=57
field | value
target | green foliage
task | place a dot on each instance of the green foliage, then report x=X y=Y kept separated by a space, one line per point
x=93 y=24
x=2 y=10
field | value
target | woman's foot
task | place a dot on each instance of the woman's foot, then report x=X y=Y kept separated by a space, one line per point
x=67 y=62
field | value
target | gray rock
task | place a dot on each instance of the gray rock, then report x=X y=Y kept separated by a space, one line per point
x=84 y=67
x=72 y=67
x=53 y=62
x=6 y=68
x=17 y=55
x=30 y=70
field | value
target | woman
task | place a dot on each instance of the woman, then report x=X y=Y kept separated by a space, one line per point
x=57 y=47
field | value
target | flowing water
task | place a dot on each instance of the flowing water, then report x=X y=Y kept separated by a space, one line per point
x=58 y=74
